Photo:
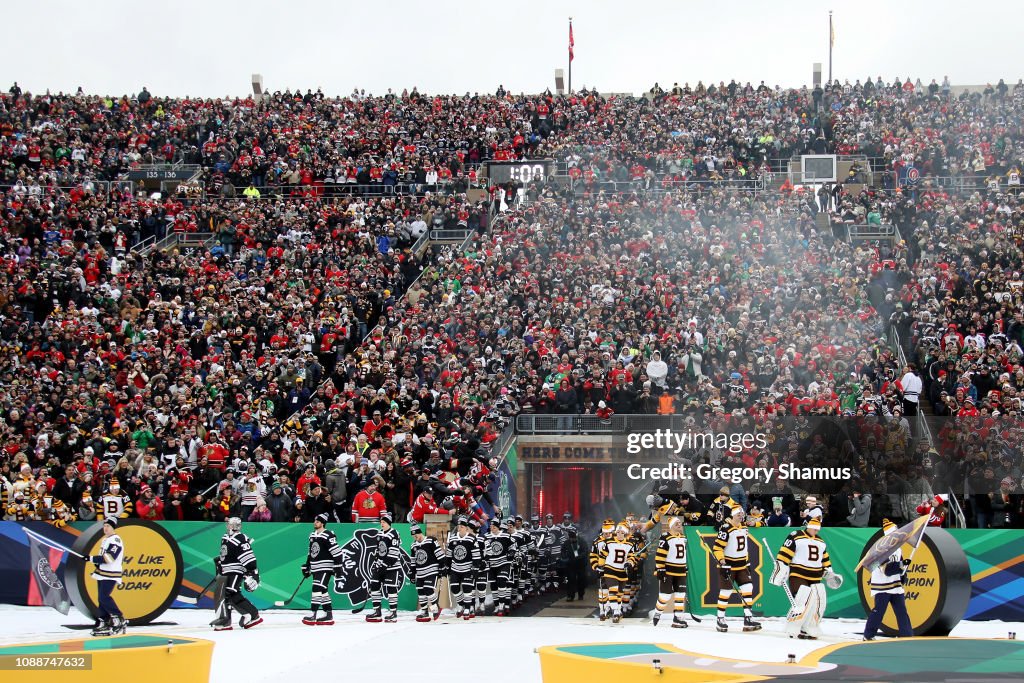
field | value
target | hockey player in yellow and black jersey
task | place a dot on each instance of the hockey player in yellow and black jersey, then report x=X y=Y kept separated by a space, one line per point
x=638 y=537
x=731 y=552
x=616 y=559
x=595 y=564
x=670 y=568
x=801 y=565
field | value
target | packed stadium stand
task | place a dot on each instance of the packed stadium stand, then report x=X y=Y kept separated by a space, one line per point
x=236 y=306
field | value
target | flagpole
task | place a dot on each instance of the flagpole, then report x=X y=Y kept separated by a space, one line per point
x=570 y=57
x=830 y=41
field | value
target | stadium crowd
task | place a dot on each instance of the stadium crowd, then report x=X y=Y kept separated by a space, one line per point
x=307 y=360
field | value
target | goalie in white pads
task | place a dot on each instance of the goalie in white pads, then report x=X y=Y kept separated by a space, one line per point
x=800 y=567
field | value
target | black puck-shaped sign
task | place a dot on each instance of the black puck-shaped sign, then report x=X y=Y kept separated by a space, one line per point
x=938 y=585
x=152 y=571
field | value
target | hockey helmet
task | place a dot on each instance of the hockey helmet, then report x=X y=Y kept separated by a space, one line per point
x=234 y=524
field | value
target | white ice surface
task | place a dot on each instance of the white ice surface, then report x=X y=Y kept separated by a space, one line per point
x=501 y=649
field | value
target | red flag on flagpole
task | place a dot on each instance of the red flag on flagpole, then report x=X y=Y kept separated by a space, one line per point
x=571 y=41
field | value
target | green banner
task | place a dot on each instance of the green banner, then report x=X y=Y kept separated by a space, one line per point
x=844 y=548
x=281 y=550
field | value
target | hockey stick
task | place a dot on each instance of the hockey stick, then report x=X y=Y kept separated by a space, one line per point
x=282 y=603
x=711 y=556
x=194 y=601
x=785 y=584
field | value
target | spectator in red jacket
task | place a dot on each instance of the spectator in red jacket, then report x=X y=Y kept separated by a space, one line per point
x=935 y=509
x=368 y=504
x=426 y=505
x=149 y=506
x=306 y=481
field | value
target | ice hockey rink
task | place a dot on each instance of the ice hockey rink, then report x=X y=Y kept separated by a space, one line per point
x=503 y=650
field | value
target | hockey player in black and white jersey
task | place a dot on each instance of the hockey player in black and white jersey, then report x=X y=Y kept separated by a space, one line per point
x=535 y=560
x=463 y=562
x=480 y=594
x=501 y=551
x=237 y=565
x=520 y=574
x=427 y=562
x=323 y=560
x=384 y=572
x=551 y=551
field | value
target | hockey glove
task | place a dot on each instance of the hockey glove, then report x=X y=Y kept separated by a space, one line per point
x=305 y=570
x=780 y=574
x=252 y=582
x=833 y=580
x=96 y=560
x=660 y=573
x=893 y=569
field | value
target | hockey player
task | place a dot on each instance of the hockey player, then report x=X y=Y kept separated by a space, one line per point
x=550 y=552
x=427 y=561
x=114 y=503
x=596 y=550
x=524 y=547
x=462 y=563
x=108 y=576
x=801 y=565
x=323 y=559
x=237 y=565
x=731 y=552
x=480 y=576
x=616 y=557
x=384 y=572
x=501 y=551
x=536 y=561
x=670 y=568
x=637 y=536
x=887 y=589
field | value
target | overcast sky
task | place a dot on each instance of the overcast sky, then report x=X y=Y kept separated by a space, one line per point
x=211 y=47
